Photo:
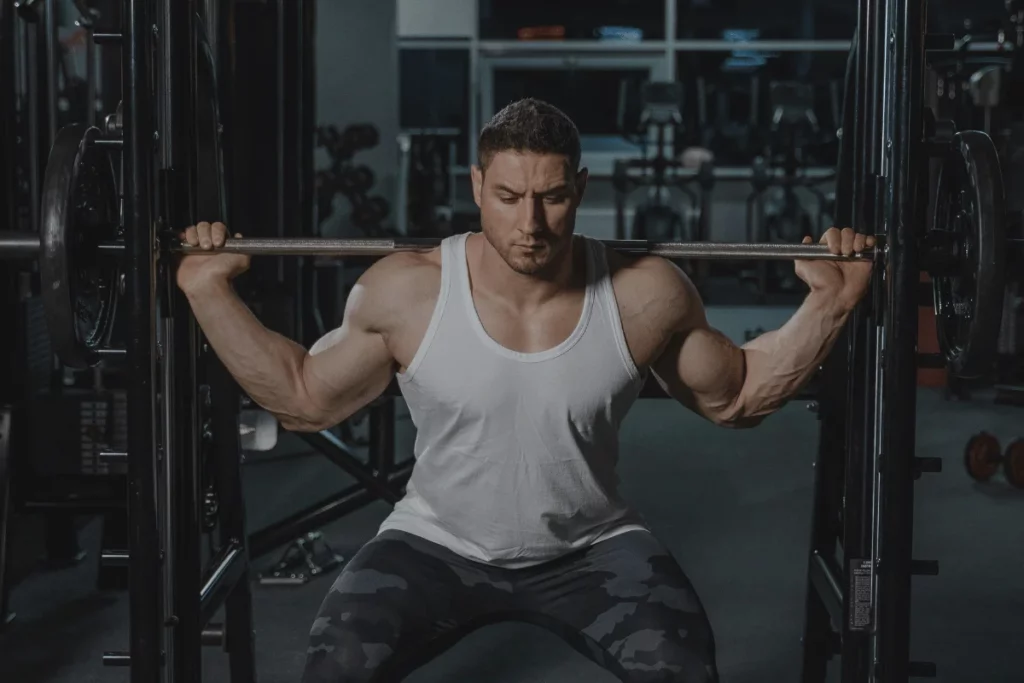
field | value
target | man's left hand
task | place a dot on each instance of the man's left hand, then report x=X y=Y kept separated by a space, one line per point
x=845 y=281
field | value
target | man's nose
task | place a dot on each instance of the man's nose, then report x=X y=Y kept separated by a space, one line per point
x=532 y=213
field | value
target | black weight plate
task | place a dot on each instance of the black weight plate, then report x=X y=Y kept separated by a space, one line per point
x=211 y=197
x=79 y=211
x=969 y=202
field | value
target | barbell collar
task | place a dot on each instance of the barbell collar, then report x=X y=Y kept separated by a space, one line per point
x=724 y=251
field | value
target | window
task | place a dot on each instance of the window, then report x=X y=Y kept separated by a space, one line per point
x=779 y=20
x=981 y=19
x=729 y=100
x=580 y=19
x=591 y=97
x=597 y=92
x=434 y=92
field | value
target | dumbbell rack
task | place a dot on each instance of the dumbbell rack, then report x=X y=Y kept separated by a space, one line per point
x=860 y=566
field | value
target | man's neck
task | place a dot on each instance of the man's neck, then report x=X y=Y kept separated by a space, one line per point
x=521 y=292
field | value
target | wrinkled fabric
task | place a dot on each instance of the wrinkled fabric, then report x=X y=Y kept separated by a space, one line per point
x=624 y=603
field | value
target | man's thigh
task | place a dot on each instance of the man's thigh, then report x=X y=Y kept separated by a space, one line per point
x=627 y=604
x=398 y=597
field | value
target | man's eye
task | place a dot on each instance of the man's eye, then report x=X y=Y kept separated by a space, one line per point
x=555 y=199
x=508 y=200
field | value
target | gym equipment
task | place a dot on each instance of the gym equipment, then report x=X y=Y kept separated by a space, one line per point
x=964 y=251
x=354 y=182
x=983 y=457
x=79 y=212
x=720 y=251
x=1013 y=463
x=657 y=219
x=970 y=211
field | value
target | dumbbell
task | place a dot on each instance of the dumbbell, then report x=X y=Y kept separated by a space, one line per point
x=370 y=212
x=356 y=180
x=360 y=136
x=983 y=456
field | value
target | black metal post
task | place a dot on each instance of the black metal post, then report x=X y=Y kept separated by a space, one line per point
x=5 y=506
x=820 y=624
x=110 y=59
x=900 y=368
x=167 y=499
x=226 y=568
x=145 y=589
x=54 y=58
x=8 y=131
x=184 y=507
x=382 y=437
x=308 y=329
x=240 y=638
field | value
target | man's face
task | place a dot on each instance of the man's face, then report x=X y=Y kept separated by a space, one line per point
x=528 y=207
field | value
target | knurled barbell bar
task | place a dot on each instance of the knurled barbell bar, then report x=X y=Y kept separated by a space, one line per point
x=964 y=252
x=724 y=251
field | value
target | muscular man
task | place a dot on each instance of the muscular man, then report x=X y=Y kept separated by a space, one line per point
x=519 y=351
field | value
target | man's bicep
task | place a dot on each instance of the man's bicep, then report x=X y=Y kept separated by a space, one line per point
x=702 y=369
x=346 y=375
x=350 y=366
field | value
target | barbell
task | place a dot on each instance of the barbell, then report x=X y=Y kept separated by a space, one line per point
x=81 y=240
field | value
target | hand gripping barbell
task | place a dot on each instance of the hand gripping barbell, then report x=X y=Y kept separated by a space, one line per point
x=79 y=270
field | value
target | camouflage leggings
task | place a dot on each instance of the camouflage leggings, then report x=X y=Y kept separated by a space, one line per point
x=624 y=603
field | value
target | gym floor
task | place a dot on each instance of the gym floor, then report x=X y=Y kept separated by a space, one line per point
x=734 y=506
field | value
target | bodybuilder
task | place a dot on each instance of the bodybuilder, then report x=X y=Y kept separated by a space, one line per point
x=519 y=351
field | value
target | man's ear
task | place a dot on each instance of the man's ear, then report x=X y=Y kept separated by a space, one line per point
x=477 y=175
x=582 y=176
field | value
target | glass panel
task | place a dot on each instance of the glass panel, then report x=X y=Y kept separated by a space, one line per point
x=578 y=19
x=591 y=97
x=730 y=103
x=980 y=19
x=434 y=92
x=780 y=20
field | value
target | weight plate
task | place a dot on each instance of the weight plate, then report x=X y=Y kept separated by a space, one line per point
x=982 y=456
x=79 y=211
x=211 y=197
x=969 y=203
x=1013 y=463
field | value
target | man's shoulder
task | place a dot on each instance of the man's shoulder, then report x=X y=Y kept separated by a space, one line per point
x=403 y=281
x=643 y=279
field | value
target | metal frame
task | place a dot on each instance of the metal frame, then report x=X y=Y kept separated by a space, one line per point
x=866 y=468
x=172 y=595
x=865 y=455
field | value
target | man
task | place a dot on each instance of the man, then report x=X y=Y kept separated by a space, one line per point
x=519 y=352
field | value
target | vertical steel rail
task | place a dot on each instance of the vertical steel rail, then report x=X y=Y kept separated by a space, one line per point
x=186 y=502
x=53 y=63
x=167 y=496
x=238 y=624
x=145 y=610
x=900 y=364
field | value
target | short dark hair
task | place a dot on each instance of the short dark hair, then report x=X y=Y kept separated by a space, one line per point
x=530 y=125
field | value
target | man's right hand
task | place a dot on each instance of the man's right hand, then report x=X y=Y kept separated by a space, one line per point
x=197 y=272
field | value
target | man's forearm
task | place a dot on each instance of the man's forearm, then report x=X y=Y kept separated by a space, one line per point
x=267 y=365
x=780 y=363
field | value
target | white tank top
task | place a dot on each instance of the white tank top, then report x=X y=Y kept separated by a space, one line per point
x=516 y=452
